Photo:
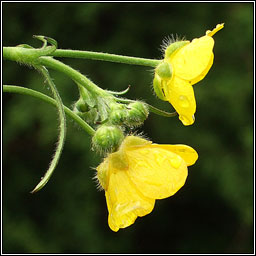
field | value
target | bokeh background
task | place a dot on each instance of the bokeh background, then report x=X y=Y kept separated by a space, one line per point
x=212 y=213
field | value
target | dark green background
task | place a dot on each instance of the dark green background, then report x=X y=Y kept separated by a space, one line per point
x=212 y=213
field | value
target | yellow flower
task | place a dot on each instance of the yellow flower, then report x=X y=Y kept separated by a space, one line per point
x=188 y=63
x=139 y=173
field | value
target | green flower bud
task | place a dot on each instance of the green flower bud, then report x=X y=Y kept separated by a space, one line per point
x=107 y=138
x=137 y=113
x=117 y=114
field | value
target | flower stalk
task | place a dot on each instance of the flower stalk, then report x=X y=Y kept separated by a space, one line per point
x=105 y=57
x=26 y=91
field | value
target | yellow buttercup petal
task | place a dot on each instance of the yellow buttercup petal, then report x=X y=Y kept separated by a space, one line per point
x=192 y=60
x=157 y=173
x=204 y=72
x=125 y=202
x=181 y=95
x=187 y=153
x=215 y=30
x=137 y=174
x=134 y=141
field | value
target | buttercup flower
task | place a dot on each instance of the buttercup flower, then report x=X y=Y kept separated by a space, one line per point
x=185 y=63
x=139 y=173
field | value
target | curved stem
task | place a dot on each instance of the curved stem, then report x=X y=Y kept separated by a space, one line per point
x=161 y=112
x=25 y=91
x=105 y=57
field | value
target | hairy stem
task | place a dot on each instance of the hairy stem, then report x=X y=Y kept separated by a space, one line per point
x=73 y=74
x=25 y=91
x=32 y=57
x=105 y=57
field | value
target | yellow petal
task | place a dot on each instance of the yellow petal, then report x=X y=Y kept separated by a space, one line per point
x=215 y=30
x=125 y=202
x=204 y=73
x=156 y=172
x=193 y=61
x=134 y=141
x=187 y=153
x=181 y=95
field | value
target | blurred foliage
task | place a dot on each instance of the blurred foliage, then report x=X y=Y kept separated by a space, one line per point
x=212 y=213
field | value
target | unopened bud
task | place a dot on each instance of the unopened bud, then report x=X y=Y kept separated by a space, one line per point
x=117 y=114
x=137 y=113
x=107 y=138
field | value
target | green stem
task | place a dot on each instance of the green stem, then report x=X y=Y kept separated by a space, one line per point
x=27 y=56
x=105 y=57
x=25 y=91
x=73 y=74
x=161 y=112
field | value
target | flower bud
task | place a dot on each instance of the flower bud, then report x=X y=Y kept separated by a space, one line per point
x=117 y=114
x=107 y=138
x=137 y=114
